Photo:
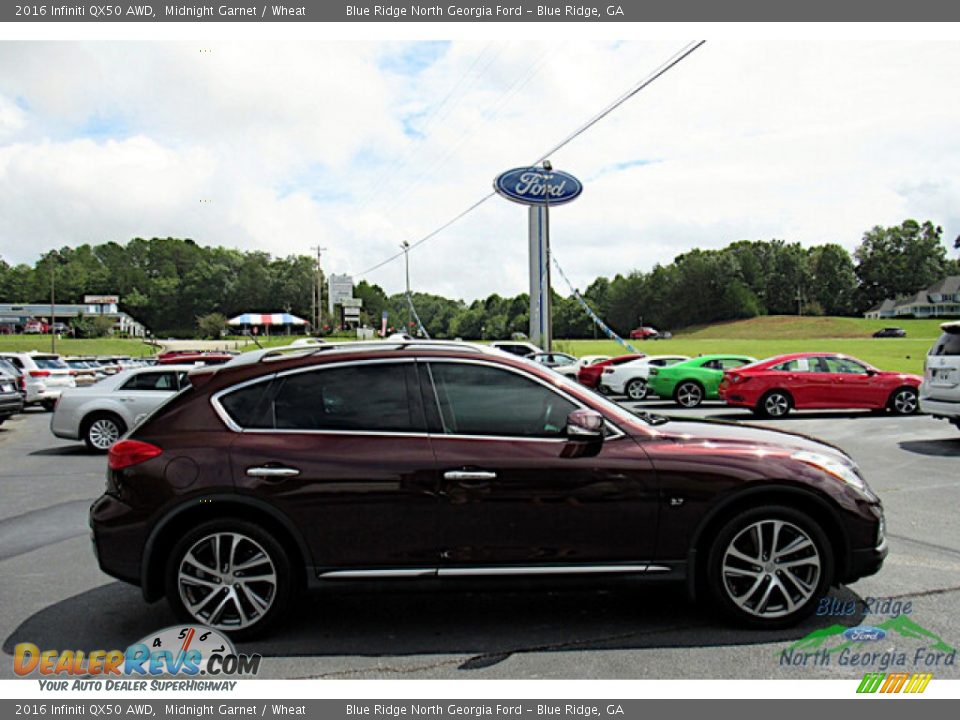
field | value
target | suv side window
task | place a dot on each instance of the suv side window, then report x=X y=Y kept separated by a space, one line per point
x=948 y=344
x=374 y=397
x=483 y=400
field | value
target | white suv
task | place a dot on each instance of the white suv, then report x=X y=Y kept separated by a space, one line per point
x=45 y=375
x=940 y=391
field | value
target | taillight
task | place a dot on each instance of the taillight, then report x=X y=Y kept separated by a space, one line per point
x=39 y=373
x=130 y=452
x=73 y=373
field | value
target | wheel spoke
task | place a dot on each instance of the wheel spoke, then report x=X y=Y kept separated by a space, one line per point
x=742 y=556
x=194 y=580
x=799 y=543
x=191 y=559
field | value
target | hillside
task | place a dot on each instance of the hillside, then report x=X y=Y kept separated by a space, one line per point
x=792 y=327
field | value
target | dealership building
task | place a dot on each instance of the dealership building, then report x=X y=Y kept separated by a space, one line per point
x=15 y=316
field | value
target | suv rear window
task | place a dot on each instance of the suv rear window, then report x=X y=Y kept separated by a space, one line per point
x=49 y=363
x=948 y=344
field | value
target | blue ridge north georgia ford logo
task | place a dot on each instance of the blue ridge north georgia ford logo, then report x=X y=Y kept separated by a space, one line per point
x=536 y=186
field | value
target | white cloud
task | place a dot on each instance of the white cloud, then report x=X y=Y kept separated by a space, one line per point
x=359 y=146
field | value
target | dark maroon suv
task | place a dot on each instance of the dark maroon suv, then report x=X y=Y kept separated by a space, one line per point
x=288 y=470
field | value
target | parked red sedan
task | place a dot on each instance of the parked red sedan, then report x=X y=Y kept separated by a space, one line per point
x=806 y=381
x=644 y=333
x=589 y=375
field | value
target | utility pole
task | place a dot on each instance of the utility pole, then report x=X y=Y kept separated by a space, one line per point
x=406 y=260
x=53 y=303
x=799 y=300
x=318 y=292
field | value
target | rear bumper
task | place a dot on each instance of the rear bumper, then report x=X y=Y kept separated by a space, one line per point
x=940 y=408
x=117 y=543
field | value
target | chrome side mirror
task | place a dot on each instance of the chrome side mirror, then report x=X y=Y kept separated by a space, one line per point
x=585 y=425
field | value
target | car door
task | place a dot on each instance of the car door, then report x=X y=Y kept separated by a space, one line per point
x=852 y=386
x=514 y=491
x=343 y=451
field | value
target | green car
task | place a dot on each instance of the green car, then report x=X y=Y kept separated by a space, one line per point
x=692 y=381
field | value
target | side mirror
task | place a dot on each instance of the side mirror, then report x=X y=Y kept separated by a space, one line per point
x=585 y=425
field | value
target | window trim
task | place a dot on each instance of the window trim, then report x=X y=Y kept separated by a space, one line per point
x=616 y=432
x=232 y=425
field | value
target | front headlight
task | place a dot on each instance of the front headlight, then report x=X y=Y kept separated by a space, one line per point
x=839 y=470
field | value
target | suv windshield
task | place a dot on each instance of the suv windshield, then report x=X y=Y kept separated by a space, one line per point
x=948 y=344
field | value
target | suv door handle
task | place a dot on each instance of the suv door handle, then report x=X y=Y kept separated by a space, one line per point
x=469 y=475
x=272 y=471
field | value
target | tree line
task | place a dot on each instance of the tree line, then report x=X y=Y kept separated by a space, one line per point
x=176 y=287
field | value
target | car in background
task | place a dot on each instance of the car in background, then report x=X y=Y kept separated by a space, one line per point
x=500 y=468
x=940 y=391
x=519 y=348
x=557 y=361
x=100 y=414
x=692 y=381
x=589 y=375
x=823 y=381
x=45 y=376
x=584 y=362
x=644 y=333
x=630 y=378
x=895 y=332
x=195 y=358
x=17 y=374
x=35 y=327
x=11 y=399
x=85 y=372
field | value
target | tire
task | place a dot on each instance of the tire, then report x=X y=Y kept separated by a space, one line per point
x=775 y=404
x=48 y=405
x=904 y=401
x=689 y=394
x=101 y=430
x=636 y=389
x=766 y=593
x=603 y=389
x=200 y=593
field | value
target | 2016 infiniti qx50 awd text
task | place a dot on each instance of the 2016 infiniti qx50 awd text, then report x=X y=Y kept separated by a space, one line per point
x=287 y=470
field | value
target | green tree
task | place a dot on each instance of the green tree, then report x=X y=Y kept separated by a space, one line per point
x=212 y=325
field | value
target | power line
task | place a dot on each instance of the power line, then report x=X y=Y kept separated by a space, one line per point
x=665 y=67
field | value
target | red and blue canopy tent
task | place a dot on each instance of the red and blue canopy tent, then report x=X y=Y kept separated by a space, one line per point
x=267 y=320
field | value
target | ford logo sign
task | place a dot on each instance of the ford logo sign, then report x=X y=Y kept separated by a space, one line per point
x=864 y=633
x=536 y=186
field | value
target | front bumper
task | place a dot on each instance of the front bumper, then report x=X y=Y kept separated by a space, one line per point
x=867 y=561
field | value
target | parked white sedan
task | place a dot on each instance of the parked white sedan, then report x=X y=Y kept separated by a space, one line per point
x=100 y=414
x=630 y=378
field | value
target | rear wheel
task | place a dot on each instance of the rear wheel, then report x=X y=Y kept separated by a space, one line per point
x=904 y=401
x=48 y=405
x=102 y=430
x=231 y=575
x=636 y=389
x=774 y=404
x=769 y=566
x=689 y=394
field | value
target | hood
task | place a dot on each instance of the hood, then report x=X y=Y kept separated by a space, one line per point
x=736 y=435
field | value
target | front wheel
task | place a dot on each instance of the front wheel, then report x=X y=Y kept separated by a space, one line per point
x=102 y=431
x=769 y=566
x=636 y=389
x=904 y=401
x=231 y=575
x=688 y=394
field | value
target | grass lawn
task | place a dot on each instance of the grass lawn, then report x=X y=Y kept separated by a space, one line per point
x=98 y=346
x=791 y=327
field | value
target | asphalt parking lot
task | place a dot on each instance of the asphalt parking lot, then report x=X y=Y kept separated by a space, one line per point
x=53 y=594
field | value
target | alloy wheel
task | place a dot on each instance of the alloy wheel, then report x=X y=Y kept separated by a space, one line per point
x=905 y=402
x=689 y=395
x=771 y=568
x=776 y=404
x=227 y=580
x=637 y=389
x=103 y=433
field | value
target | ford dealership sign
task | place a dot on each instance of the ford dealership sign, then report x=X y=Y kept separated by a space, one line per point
x=536 y=186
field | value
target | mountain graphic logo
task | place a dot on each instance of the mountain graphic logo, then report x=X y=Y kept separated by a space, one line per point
x=902 y=625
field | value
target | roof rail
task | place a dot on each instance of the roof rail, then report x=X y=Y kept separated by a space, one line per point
x=287 y=351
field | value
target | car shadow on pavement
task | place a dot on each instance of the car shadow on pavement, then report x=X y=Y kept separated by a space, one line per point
x=67 y=451
x=944 y=447
x=394 y=620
